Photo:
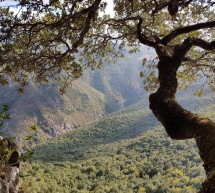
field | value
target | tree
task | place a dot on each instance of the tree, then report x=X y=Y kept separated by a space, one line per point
x=61 y=39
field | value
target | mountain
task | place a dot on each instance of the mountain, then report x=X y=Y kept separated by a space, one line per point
x=125 y=151
x=86 y=100
x=98 y=93
x=120 y=83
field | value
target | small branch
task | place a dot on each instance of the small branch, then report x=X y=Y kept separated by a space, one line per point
x=142 y=38
x=159 y=7
x=162 y=5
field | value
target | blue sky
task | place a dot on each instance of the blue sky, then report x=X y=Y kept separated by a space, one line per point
x=12 y=2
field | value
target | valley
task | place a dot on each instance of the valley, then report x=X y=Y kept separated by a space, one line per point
x=86 y=100
x=126 y=151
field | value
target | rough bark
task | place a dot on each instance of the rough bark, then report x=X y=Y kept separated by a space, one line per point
x=9 y=180
x=181 y=124
x=9 y=167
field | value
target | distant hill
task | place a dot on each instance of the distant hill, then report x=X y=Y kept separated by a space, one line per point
x=51 y=112
x=88 y=99
x=98 y=93
x=120 y=83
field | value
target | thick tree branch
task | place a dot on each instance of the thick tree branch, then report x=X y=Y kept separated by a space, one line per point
x=181 y=50
x=202 y=44
x=183 y=30
x=178 y=122
x=93 y=10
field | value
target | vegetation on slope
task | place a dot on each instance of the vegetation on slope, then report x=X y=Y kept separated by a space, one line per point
x=51 y=112
x=150 y=163
x=86 y=100
x=102 y=157
x=120 y=83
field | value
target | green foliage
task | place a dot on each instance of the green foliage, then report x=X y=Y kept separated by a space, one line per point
x=8 y=149
x=126 y=124
x=4 y=114
x=119 y=154
x=149 y=163
x=38 y=43
x=6 y=145
x=26 y=156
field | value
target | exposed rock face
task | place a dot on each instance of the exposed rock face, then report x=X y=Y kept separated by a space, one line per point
x=9 y=179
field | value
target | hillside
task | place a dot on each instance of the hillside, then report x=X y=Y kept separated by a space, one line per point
x=119 y=153
x=120 y=83
x=86 y=100
x=51 y=112
x=149 y=163
x=127 y=123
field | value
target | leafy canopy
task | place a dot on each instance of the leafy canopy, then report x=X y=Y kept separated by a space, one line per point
x=39 y=41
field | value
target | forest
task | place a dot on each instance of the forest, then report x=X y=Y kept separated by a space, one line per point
x=149 y=163
x=125 y=151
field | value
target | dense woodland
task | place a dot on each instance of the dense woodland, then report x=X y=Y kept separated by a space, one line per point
x=150 y=163
x=123 y=152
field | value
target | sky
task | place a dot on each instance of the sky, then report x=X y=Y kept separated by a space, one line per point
x=109 y=8
x=13 y=2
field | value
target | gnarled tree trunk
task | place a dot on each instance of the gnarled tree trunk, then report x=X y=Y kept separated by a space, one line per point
x=181 y=124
